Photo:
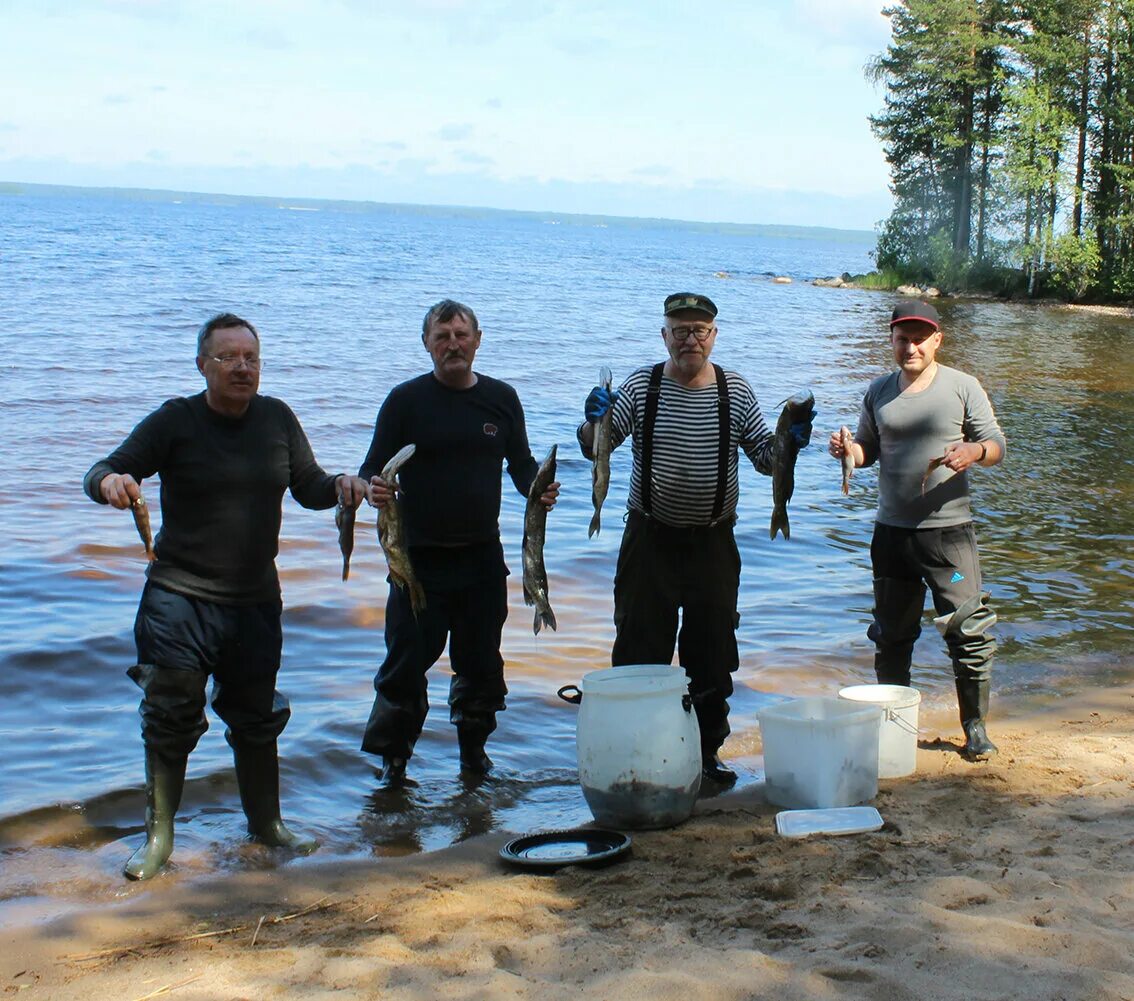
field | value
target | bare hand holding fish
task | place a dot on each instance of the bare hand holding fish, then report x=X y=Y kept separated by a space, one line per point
x=542 y=495
x=846 y=440
x=121 y=490
x=391 y=527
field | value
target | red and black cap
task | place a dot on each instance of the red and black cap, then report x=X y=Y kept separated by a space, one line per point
x=915 y=311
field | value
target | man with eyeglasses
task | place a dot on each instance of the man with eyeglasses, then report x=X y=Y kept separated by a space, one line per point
x=465 y=427
x=927 y=425
x=688 y=419
x=211 y=603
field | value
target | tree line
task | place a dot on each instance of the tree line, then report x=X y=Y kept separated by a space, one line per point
x=1009 y=130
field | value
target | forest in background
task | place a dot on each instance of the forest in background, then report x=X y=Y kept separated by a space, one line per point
x=1009 y=131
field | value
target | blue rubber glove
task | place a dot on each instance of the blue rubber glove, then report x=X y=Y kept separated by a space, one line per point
x=599 y=401
x=801 y=431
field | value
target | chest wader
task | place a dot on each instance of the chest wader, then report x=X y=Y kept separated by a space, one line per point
x=709 y=694
x=966 y=633
x=898 y=607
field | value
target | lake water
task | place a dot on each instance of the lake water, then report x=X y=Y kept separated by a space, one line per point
x=101 y=300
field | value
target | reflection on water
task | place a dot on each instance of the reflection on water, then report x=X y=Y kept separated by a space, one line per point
x=117 y=288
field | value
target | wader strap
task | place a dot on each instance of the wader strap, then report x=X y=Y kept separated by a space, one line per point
x=722 y=444
x=653 y=397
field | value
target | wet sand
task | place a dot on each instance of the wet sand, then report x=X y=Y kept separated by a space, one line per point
x=1013 y=878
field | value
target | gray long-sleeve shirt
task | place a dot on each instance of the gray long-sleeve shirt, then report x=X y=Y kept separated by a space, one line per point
x=903 y=431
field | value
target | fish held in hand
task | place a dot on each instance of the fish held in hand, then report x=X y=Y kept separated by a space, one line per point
x=535 y=529
x=344 y=522
x=846 y=439
x=798 y=409
x=391 y=534
x=141 y=515
x=600 y=469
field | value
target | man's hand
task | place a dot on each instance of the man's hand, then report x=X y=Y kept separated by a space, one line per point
x=379 y=493
x=119 y=490
x=962 y=454
x=550 y=495
x=352 y=490
x=598 y=402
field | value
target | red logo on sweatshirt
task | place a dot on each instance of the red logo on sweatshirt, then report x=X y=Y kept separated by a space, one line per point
x=490 y=430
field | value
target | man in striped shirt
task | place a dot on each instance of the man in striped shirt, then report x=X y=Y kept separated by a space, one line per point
x=687 y=418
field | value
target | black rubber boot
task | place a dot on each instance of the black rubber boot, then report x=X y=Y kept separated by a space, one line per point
x=165 y=780
x=393 y=771
x=972 y=699
x=258 y=778
x=471 y=738
x=712 y=770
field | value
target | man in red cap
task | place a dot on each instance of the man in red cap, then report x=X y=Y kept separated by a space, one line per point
x=926 y=425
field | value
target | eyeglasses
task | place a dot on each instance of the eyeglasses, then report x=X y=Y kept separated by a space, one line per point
x=701 y=333
x=231 y=362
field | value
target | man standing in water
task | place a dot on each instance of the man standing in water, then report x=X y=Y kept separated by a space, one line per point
x=926 y=424
x=464 y=425
x=688 y=418
x=211 y=603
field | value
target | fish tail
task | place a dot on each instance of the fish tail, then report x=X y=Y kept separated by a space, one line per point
x=544 y=617
x=417 y=597
x=780 y=523
x=846 y=487
x=346 y=569
x=596 y=523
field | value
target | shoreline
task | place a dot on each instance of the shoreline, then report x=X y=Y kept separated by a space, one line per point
x=986 y=878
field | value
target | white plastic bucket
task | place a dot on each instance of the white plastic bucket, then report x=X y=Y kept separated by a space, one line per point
x=820 y=753
x=897 y=736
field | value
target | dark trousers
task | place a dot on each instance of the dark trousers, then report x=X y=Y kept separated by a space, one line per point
x=662 y=569
x=181 y=641
x=470 y=618
x=904 y=561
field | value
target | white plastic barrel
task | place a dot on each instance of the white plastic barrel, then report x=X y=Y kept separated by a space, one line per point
x=638 y=746
x=897 y=736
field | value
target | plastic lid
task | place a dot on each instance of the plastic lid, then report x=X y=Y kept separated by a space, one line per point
x=838 y=820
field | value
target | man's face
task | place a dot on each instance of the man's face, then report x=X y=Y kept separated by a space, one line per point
x=452 y=346
x=234 y=379
x=689 y=336
x=915 y=345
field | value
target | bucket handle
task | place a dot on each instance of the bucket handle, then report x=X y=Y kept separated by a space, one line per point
x=892 y=716
x=687 y=702
x=574 y=699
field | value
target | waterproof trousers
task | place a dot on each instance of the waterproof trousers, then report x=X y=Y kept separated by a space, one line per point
x=469 y=617
x=905 y=561
x=663 y=570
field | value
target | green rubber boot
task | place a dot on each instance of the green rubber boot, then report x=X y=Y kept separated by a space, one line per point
x=258 y=778
x=165 y=779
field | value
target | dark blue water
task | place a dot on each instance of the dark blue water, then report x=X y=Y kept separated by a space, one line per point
x=101 y=300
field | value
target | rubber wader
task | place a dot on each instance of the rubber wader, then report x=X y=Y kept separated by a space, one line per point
x=472 y=735
x=165 y=780
x=258 y=778
x=898 y=607
x=972 y=699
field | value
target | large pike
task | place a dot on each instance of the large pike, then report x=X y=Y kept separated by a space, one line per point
x=847 y=440
x=600 y=470
x=797 y=409
x=344 y=522
x=391 y=534
x=141 y=515
x=535 y=528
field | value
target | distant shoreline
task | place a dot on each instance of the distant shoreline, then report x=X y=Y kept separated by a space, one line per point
x=769 y=230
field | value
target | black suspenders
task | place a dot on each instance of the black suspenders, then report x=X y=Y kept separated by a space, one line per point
x=653 y=397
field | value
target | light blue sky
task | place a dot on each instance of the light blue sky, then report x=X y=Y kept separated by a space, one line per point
x=749 y=112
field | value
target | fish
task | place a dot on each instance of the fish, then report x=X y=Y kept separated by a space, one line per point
x=600 y=469
x=535 y=528
x=391 y=534
x=847 y=439
x=142 y=523
x=344 y=522
x=933 y=464
x=796 y=409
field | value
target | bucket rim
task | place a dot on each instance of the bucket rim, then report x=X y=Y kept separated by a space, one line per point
x=844 y=709
x=890 y=696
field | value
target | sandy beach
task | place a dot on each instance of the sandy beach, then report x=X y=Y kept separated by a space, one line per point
x=1011 y=879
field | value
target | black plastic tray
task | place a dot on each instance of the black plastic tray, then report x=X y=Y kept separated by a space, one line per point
x=552 y=849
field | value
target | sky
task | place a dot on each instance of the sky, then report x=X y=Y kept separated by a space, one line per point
x=743 y=111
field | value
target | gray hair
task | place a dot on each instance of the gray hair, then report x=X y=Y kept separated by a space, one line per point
x=443 y=312
x=222 y=321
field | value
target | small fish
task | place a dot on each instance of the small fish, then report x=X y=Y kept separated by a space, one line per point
x=847 y=440
x=797 y=409
x=933 y=464
x=535 y=528
x=142 y=523
x=344 y=522
x=600 y=470
x=391 y=534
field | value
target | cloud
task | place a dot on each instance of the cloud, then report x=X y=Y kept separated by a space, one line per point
x=271 y=39
x=495 y=103
x=653 y=170
x=475 y=159
x=454 y=132
x=117 y=99
x=9 y=127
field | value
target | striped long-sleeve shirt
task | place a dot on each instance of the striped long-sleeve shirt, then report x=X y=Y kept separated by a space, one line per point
x=684 y=463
